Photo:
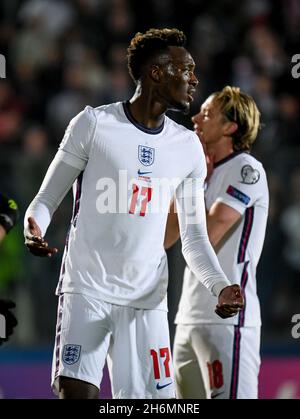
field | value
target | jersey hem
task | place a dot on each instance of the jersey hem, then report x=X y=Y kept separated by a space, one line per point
x=124 y=302
x=224 y=323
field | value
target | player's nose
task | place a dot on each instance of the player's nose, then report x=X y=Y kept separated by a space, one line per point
x=193 y=80
x=197 y=119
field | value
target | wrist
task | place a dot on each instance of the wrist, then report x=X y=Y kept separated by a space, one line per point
x=218 y=287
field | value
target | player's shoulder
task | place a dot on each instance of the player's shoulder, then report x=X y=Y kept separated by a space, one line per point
x=104 y=111
x=241 y=159
x=187 y=136
x=248 y=158
x=250 y=168
x=181 y=129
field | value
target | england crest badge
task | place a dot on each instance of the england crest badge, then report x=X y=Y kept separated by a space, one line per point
x=146 y=155
x=71 y=354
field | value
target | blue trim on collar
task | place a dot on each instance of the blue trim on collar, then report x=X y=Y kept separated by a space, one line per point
x=231 y=156
x=141 y=127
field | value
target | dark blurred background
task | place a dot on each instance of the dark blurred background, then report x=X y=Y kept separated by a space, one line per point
x=62 y=55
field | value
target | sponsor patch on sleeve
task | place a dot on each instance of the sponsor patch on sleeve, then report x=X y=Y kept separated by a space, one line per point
x=231 y=190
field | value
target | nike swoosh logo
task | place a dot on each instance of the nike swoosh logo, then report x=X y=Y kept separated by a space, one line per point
x=143 y=173
x=159 y=387
x=216 y=395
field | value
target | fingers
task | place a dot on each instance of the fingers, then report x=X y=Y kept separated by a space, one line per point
x=228 y=310
x=39 y=247
x=222 y=314
x=231 y=297
x=36 y=243
x=231 y=307
x=237 y=304
x=41 y=250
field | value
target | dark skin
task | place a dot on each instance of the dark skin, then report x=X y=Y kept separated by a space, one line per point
x=167 y=83
x=71 y=388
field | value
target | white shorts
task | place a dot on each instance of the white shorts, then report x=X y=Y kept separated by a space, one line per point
x=136 y=341
x=216 y=361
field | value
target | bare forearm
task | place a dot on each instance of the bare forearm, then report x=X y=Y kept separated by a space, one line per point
x=220 y=219
x=215 y=233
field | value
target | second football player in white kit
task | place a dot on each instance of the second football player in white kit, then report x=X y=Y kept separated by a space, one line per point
x=217 y=358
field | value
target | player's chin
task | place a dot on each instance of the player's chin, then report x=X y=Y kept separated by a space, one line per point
x=183 y=106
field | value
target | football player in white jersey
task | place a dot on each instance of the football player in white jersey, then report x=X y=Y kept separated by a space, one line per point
x=113 y=283
x=216 y=358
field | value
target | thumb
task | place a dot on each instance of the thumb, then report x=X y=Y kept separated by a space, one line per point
x=238 y=295
x=33 y=227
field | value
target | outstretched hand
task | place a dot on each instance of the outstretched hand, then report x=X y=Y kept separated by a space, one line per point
x=230 y=301
x=35 y=242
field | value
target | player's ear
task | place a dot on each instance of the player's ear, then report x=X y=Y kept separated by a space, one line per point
x=230 y=128
x=155 y=73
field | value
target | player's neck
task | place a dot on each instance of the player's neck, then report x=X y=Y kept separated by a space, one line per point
x=145 y=109
x=220 y=150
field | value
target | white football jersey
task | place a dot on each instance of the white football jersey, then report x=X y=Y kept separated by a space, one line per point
x=115 y=243
x=238 y=181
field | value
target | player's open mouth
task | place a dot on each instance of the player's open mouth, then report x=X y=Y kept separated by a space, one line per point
x=198 y=131
x=190 y=95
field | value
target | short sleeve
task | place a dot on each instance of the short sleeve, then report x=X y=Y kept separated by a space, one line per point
x=243 y=184
x=79 y=134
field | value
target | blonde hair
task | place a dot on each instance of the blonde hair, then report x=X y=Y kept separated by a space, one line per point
x=239 y=107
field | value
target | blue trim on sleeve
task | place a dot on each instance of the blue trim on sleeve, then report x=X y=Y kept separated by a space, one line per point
x=237 y=194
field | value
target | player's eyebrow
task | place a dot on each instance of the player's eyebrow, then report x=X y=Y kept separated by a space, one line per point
x=189 y=65
x=186 y=63
x=206 y=109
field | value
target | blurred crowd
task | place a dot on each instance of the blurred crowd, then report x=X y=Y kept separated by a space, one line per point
x=62 y=55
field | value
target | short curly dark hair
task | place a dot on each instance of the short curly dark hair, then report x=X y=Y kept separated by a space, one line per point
x=144 y=46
